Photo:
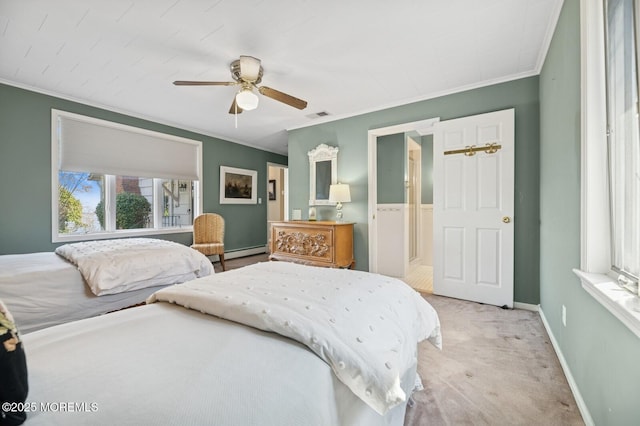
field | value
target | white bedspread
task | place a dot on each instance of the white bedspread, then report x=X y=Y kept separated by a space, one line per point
x=43 y=289
x=114 y=266
x=365 y=326
x=162 y=364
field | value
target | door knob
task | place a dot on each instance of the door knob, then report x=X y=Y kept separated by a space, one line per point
x=506 y=219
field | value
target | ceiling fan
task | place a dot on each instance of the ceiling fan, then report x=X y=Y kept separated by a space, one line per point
x=247 y=73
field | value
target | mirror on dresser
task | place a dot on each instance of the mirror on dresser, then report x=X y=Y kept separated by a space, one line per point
x=323 y=172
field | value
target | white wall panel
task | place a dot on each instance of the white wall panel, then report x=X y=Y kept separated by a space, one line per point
x=391 y=220
x=426 y=239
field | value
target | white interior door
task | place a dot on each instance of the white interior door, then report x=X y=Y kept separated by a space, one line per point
x=473 y=208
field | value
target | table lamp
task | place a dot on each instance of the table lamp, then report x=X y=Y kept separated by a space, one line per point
x=339 y=193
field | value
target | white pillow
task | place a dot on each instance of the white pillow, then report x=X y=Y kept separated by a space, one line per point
x=115 y=266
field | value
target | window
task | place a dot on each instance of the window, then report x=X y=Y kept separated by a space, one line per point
x=623 y=140
x=113 y=180
x=609 y=222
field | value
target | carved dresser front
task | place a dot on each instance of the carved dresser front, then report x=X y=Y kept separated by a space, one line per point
x=321 y=243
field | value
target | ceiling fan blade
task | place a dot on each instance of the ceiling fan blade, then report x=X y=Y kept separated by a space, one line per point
x=249 y=68
x=204 y=83
x=235 y=109
x=283 y=97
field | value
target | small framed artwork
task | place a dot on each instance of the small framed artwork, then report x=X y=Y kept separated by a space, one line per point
x=238 y=186
x=272 y=189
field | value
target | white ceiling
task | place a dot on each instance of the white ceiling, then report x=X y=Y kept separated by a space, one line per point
x=344 y=57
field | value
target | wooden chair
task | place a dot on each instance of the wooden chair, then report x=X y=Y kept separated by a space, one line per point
x=208 y=235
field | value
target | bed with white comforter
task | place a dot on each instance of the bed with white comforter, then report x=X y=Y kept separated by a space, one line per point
x=270 y=344
x=82 y=280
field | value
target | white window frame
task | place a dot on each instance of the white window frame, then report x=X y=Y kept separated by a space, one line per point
x=56 y=237
x=595 y=272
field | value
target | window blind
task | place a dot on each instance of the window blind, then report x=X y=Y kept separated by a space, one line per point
x=97 y=146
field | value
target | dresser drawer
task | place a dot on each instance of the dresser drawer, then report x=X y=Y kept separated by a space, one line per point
x=315 y=245
x=320 y=243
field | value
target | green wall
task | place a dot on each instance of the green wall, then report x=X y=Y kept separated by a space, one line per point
x=391 y=159
x=390 y=168
x=602 y=354
x=25 y=173
x=351 y=136
x=427 y=169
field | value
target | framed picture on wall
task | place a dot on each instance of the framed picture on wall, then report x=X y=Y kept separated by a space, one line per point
x=272 y=189
x=238 y=186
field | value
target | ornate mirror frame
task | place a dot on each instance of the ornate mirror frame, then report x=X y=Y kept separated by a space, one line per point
x=322 y=153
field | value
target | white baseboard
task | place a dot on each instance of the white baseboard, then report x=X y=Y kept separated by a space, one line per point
x=526 y=306
x=241 y=253
x=245 y=252
x=582 y=406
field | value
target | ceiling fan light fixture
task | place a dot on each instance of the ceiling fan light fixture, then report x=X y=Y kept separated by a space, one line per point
x=247 y=100
x=247 y=73
x=250 y=69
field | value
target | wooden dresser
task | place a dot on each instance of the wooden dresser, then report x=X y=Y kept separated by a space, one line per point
x=317 y=243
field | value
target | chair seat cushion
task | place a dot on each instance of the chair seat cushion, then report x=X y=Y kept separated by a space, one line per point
x=209 y=248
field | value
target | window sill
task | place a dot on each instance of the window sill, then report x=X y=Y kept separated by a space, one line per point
x=67 y=238
x=622 y=304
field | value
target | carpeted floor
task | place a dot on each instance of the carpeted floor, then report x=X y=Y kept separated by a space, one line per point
x=497 y=367
x=238 y=262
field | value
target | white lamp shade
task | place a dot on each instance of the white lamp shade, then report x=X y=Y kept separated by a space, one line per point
x=247 y=100
x=339 y=193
